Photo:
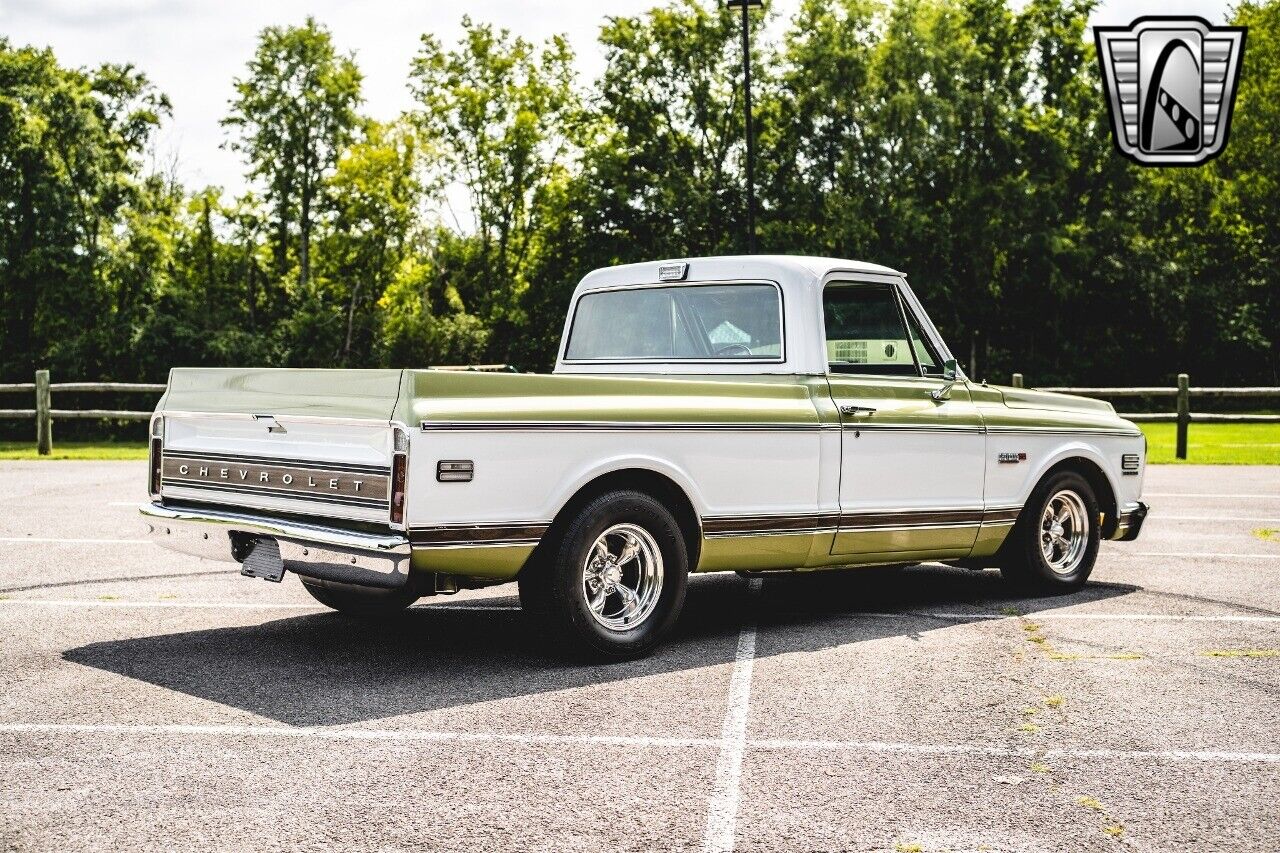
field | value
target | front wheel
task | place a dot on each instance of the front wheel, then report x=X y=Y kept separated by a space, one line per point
x=613 y=583
x=361 y=602
x=1053 y=546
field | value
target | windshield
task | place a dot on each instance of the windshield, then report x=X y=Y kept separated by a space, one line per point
x=704 y=321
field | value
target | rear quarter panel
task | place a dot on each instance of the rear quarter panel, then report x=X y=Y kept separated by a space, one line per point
x=733 y=446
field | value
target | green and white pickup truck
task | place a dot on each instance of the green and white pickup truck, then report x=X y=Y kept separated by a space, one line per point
x=712 y=414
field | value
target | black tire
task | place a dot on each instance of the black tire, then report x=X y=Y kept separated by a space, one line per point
x=358 y=601
x=1023 y=561
x=553 y=586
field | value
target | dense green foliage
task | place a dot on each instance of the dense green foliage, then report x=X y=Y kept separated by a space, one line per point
x=965 y=142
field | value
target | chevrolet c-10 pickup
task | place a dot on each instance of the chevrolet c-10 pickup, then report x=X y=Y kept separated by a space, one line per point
x=750 y=414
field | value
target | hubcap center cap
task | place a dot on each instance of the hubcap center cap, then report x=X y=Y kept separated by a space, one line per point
x=611 y=575
x=1056 y=529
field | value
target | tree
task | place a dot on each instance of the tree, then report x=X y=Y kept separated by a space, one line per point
x=816 y=151
x=1249 y=170
x=70 y=146
x=501 y=114
x=667 y=134
x=374 y=194
x=294 y=112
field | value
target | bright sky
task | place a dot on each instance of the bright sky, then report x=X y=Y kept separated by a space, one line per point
x=192 y=50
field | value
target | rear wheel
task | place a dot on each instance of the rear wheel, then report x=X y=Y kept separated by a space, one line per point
x=361 y=602
x=1053 y=546
x=613 y=583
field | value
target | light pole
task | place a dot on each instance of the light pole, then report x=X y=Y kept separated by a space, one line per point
x=746 y=6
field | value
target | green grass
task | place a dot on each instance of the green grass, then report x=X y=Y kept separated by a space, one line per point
x=1215 y=444
x=76 y=450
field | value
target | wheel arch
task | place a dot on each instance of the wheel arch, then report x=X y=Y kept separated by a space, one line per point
x=1096 y=476
x=656 y=484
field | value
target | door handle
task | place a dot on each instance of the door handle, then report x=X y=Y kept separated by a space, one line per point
x=849 y=410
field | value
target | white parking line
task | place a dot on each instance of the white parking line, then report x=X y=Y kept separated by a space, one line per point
x=61 y=541
x=1209 y=495
x=772 y=744
x=190 y=605
x=1203 y=556
x=722 y=811
x=905 y=614
x=1154 y=517
x=348 y=734
x=219 y=605
x=1135 y=617
x=1015 y=752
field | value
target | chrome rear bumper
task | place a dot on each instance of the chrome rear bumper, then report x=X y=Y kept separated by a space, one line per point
x=328 y=553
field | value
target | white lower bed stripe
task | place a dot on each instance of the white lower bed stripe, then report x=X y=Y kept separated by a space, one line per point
x=775 y=744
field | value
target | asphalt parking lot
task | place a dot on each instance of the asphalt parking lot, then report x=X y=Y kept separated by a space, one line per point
x=149 y=701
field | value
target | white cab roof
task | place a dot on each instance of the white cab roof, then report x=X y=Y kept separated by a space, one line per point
x=787 y=270
x=800 y=279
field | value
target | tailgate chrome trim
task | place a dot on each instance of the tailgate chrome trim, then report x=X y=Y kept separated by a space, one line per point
x=313 y=550
x=285 y=417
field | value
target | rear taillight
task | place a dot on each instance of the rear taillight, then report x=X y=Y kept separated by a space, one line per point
x=156 y=457
x=399 y=475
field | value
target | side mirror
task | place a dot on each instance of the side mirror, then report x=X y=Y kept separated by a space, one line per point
x=950 y=371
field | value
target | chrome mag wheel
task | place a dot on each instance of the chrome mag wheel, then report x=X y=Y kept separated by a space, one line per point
x=622 y=577
x=1064 y=532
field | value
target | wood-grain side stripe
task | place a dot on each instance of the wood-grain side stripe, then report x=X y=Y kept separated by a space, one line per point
x=496 y=533
x=778 y=524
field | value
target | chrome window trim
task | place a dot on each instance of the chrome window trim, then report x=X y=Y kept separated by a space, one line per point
x=633 y=426
x=750 y=360
x=926 y=322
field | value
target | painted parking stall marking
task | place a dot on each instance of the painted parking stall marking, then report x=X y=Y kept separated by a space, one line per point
x=722 y=812
x=719 y=832
x=42 y=540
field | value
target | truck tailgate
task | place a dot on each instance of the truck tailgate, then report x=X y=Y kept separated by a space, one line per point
x=310 y=442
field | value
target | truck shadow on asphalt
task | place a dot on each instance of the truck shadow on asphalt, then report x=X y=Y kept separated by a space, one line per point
x=323 y=669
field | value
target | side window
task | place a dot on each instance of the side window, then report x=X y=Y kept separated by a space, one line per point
x=865 y=331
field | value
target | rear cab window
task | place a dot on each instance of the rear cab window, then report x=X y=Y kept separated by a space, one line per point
x=689 y=322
